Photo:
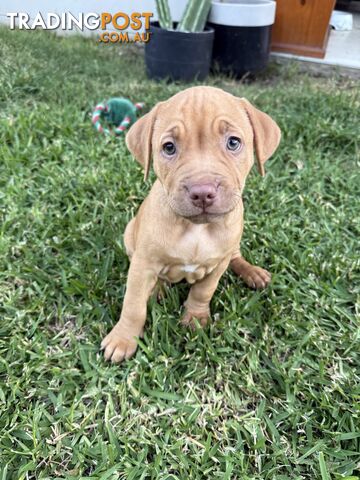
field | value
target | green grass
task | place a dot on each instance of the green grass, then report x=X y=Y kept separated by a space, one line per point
x=271 y=389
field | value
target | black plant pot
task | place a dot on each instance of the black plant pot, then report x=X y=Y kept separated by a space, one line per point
x=241 y=50
x=178 y=55
x=242 y=34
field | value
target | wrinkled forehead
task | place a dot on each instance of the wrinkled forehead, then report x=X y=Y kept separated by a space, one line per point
x=202 y=113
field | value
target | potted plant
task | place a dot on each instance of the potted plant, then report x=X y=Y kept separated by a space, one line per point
x=180 y=51
x=242 y=34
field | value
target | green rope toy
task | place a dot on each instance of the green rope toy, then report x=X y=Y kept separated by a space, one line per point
x=118 y=112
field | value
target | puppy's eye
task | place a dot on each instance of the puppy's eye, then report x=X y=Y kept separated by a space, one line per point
x=233 y=144
x=169 y=148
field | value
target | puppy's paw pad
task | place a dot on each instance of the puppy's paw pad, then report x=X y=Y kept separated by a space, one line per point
x=188 y=319
x=117 y=348
x=257 y=277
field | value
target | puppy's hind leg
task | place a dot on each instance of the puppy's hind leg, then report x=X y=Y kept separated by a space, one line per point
x=253 y=276
x=129 y=238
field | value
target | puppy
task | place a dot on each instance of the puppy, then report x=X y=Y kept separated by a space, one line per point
x=190 y=225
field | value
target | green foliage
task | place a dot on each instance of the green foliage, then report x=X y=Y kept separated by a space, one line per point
x=270 y=391
x=193 y=19
x=194 y=16
x=163 y=10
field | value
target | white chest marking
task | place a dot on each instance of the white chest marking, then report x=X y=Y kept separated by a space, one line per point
x=189 y=268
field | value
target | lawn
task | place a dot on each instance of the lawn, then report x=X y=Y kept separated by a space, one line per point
x=271 y=389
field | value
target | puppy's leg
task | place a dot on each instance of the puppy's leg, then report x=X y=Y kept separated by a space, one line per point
x=129 y=239
x=254 y=277
x=197 y=304
x=121 y=343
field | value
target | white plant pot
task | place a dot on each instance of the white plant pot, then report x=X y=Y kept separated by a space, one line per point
x=243 y=13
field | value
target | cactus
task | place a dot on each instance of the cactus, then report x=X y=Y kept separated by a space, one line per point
x=193 y=19
x=163 y=11
x=195 y=15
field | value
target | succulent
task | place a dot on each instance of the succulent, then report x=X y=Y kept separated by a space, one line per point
x=163 y=10
x=193 y=19
x=195 y=15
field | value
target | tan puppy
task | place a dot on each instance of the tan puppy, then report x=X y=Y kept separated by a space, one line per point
x=190 y=225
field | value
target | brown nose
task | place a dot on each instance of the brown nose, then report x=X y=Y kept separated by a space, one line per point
x=202 y=194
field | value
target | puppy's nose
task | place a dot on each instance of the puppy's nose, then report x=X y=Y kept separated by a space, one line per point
x=202 y=194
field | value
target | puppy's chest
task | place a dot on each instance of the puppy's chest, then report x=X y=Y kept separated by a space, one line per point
x=195 y=254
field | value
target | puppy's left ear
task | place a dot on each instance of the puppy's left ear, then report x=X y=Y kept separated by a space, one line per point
x=139 y=139
x=267 y=134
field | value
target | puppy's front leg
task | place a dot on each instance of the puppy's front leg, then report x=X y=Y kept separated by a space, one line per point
x=253 y=276
x=121 y=343
x=197 y=304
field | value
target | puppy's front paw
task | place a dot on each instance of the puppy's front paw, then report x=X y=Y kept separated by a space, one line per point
x=188 y=319
x=256 y=277
x=118 y=345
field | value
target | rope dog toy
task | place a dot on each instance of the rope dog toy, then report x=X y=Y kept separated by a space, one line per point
x=116 y=112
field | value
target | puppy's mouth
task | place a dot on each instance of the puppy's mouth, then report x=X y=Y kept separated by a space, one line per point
x=205 y=217
x=203 y=203
x=208 y=212
x=201 y=214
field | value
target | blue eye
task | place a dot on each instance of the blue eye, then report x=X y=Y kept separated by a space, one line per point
x=233 y=144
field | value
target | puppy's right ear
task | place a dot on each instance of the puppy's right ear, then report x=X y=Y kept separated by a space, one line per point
x=139 y=139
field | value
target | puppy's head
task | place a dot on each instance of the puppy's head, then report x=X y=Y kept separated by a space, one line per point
x=202 y=141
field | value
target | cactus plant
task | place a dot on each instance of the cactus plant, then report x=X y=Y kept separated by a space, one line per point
x=195 y=15
x=163 y=10
x=193 y=19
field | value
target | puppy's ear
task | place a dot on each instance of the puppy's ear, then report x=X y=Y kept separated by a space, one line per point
x=139 y=139
x=267 y=134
